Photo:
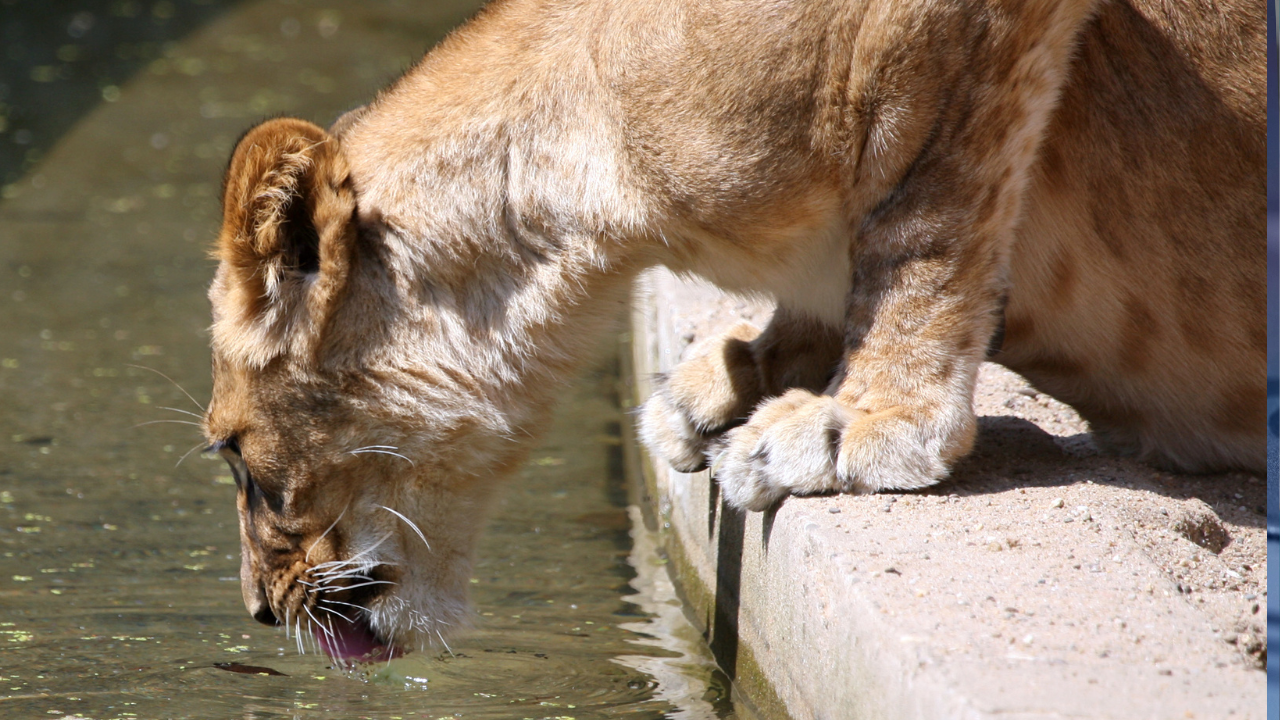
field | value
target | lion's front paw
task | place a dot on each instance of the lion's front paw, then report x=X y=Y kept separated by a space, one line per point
x=802 y=443
x=789 y=446
x=704 y=396
x=671 y=434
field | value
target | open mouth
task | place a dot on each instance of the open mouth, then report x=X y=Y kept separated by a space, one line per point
x=354 y=641
x=347 y=635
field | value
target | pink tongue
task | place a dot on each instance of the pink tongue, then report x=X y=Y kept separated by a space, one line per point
x=353 y=641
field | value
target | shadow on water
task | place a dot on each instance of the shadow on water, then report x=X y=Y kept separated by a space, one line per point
x=119 y=594
x=60 y=60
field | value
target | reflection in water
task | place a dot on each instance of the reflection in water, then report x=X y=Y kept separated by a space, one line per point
x=690 y=681
x=119 y=595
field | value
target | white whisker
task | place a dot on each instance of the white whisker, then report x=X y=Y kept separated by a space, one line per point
x=335 y=612
x=175 y=383
x=366 y=551
x=381 y=452
x=353 y=574
x=317 y=623
x=307 y=558
x=329 y=563
x=335 y=639
x=311 y=632
x=177 y=410
x=339 y=602
x=349 y=561
x=334 y=566
x=332 y=585
x=187 y=454
x=411 y=524
x=345 y=568
x=324 y=582
x=348 y=569
x=371 y=582
x=157 y=422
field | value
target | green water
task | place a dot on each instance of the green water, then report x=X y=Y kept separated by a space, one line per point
x=118 y=546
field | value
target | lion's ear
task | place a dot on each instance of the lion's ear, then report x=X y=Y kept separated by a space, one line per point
x=288 y=234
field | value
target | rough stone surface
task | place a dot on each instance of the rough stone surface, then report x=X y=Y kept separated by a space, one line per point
x=1042 y=580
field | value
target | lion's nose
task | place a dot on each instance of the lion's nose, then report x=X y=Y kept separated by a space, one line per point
x=255 y=601
x=264 y=615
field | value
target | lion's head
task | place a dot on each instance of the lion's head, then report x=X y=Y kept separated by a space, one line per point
x=363 y=472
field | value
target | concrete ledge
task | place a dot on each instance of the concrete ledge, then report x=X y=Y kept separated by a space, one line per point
x=1042 y=581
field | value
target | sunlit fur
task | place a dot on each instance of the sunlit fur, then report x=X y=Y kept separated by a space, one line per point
x=399 y=299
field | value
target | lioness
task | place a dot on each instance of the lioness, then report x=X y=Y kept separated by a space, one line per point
x=399 y=298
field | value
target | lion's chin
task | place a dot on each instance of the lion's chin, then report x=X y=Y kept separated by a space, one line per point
x=424 y=621
x=354 y=642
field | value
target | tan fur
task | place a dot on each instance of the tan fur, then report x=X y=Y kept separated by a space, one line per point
x=424 y=277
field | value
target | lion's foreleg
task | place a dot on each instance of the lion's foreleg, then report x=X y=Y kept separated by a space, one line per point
x=899 y=411
x=929 y=265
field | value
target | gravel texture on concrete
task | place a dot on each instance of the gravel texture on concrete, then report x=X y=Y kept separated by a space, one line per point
x=1041 y=580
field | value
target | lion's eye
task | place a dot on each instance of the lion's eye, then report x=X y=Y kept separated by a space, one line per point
x=230 y=451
